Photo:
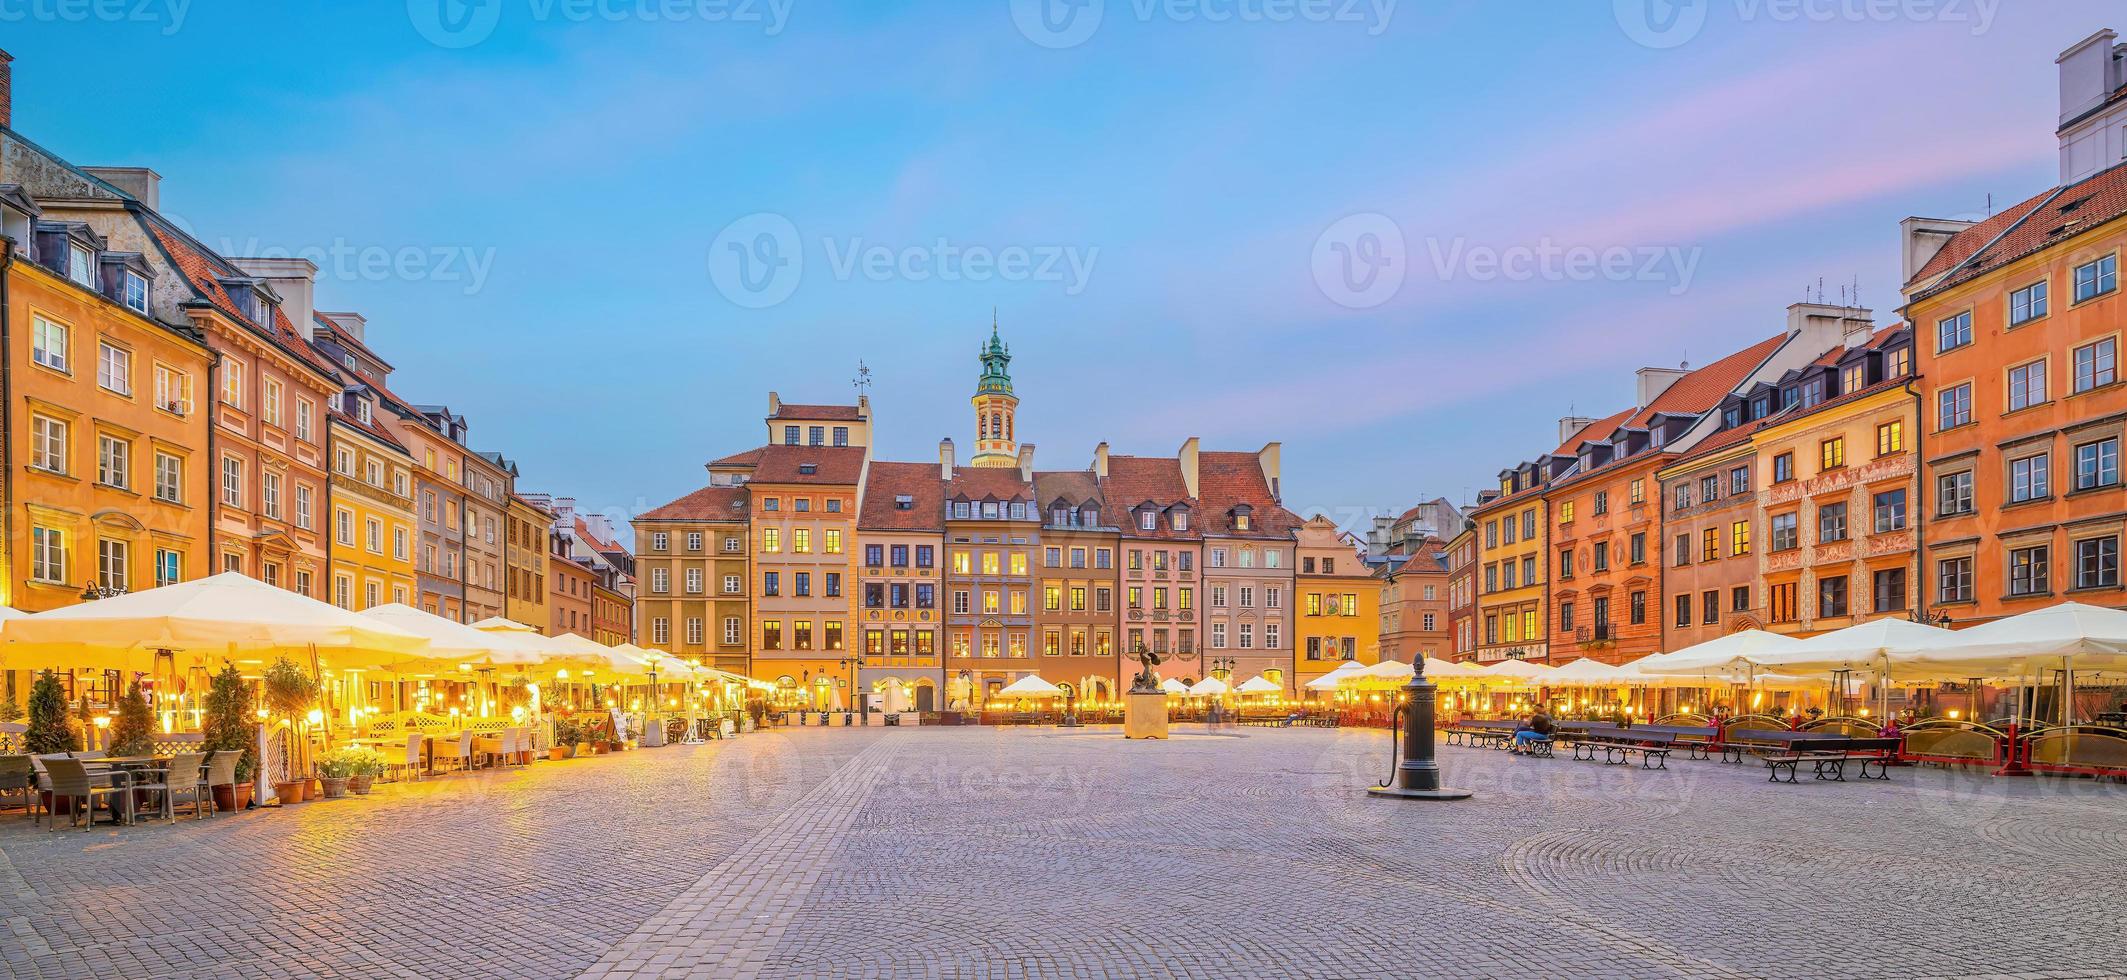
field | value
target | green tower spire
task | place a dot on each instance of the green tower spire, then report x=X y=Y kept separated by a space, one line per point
x=996 y=355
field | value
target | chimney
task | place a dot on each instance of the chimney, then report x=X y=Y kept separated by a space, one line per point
x=945 y=458
x=1654 y=380
x=1270 y=456
x=142 y=184
x=2090 y=139
x=775 y=404
x=1026 y=461
x=1823 y=326
x=353 y=324
x=1920 y=239
x=1100 y=461
x=1187 y=457
x=1570 y=426
x=294 y=280
x=7 y=91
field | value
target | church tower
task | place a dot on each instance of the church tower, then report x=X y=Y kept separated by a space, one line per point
x=996 y=442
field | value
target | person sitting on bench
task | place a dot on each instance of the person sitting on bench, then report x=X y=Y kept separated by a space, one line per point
x=1538 y=728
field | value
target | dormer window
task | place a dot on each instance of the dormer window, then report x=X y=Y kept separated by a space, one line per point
x=1089 y=516
x=1180 y=520
x=1732 y=416
x=81 y=264
x=362 y=411
x=133 y=292
x=348 y=359
x=808 y=469
x=1243 y=517
x=904 y=502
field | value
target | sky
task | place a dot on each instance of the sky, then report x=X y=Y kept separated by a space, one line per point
x=1403 y=239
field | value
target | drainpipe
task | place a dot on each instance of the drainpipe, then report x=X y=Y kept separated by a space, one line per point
x=206 y=406
x=7 y=406
x=1918 y=507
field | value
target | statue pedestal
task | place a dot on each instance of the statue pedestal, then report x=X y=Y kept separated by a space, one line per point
x=1145 y=714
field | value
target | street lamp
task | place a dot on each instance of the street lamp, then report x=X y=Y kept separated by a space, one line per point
x=651 y=718
x=849 y=664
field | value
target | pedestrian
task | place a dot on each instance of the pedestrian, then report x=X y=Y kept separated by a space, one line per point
x=1536 y=729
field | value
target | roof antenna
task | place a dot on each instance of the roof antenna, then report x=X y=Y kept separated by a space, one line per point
x=863 y=381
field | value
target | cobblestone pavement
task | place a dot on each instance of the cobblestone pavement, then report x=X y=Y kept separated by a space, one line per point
x=1035 y=853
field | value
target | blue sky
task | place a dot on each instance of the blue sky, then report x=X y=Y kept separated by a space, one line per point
x=604 y=229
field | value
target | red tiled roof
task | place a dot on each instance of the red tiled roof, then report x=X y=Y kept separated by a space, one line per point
x=750 y=457
x=2031 y=225
x=832 y=465
x=825 y=413
x=706 y=504
x=885 y=482
x=205 y=279
x=1693 y=394
x=1134 y=480
x=1599 y=430
x=988 y=483
x=598 y=542
x=1075 y=487
x=1229 y=480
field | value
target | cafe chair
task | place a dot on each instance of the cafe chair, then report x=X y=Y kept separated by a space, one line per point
x=221 y=770
x=70 y=780
x=17 y=776
x=182 y=777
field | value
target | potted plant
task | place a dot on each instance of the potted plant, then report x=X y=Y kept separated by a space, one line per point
x=51 y=729
x=566 y=735
x=338 y=768
x=289 y=693
x=10 y=709
x=369 y=764
x=228 y=727
x=133 y=731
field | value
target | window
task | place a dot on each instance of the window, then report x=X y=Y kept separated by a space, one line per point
x=1683 y=610
x=48 y=554
x=2028 y=574
x=1953 y=494
x=771 y=540
x=2096 y=364
x=112 y=457
x=1898 y=362
x=302 y=419
x=2027 y=385
x=1890 y=438
x=1739 y=538
x=373 y=535
x=1889 y=590
x=2028 y=478
x=169 y=567
x=272 y=404
x=2097 y=278
x=1638 y=490
x=1953 y=580
x=270 y=493
x=1602 y=556
x=48 y=444
x=1683 y=549
x=1953 y=406
x=2027 y=304
x=1638 y=610
x=48 y=344
x=1890 y=511
x=1710 y=607
x=1832 y=452
x=2097 y=464
x=169 y=478
x=399 y=547
x=1638 y=545
x=233 y=384
x=1831 y=596
x=1783 y=467
x=302 y=505
x=173 y=390
x=1709 y=544
x=2097 y=563
x=1831 y=523
x=1953 y=332
x=232 y=481
x=114 y=368
x=1739 y=598
x=1784 y=534
x=659 y=541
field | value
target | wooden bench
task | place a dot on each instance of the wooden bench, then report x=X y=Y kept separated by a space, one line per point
x=1827 y=758
x=1619 y=745
x=1485 y=734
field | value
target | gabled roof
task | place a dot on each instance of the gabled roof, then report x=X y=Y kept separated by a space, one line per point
x=1076 y=487
x=203 y=271
x=1232 y=480
x=2029 y=226
x=884 y=486
x=706 y=504
x=1137 y=480
x=751 y=457
x=827 y=465
x=818 y=413
x=1692 y=395
x=988 y=483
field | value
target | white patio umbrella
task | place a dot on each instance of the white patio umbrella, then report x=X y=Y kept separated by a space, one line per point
x=1329 y=681
x=1516 y=670
x=1258 y=685
x=1208 y=687
x=228 y=615
x=1437 y=668
x=1733 y=650
x=1879 y=644
x=1172 y=686
x=1589 y=672
x=451 y=642
x=1030 y=686
x=2070 y=636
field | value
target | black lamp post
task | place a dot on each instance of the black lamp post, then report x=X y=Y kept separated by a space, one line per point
x=849 y=667
x=1417 y=773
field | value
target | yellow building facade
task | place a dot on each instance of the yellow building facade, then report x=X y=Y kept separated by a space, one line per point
x=1338 y=603
x=1512 y=569
x=526 y=554
x=372 y=507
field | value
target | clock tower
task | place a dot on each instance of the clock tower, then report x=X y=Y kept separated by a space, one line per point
x=996 y=442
